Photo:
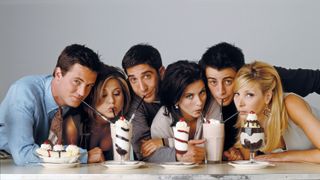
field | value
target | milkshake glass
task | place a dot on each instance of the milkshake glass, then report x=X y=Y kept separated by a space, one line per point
x=121 y=134
x=213 y=132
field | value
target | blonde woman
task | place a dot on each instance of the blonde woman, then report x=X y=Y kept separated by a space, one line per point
x=291 y=125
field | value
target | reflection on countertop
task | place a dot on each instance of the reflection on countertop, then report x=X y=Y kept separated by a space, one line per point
x=151 y=171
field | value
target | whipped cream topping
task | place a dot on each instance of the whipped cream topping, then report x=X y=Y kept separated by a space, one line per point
x=181 y=125
x=252 y=121
x=58 y=147
x=252 y=116
x=254 y=138
x=213 y=121
x=122 y=123
x=73 y=150
x=46 y=147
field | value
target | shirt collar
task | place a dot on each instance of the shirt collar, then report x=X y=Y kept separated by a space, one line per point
x=50 y=103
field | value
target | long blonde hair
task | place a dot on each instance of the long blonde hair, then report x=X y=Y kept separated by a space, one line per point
x=268 y=79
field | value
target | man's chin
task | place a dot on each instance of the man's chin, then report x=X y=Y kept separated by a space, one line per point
x=225 y=103
x=74 y=104
x=228 y=102
x=149 y=99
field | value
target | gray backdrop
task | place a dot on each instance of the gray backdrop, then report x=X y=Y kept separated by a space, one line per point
x=33 y=32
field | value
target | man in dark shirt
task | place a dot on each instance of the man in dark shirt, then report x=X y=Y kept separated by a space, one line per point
x=220 y=64
x=143 y=66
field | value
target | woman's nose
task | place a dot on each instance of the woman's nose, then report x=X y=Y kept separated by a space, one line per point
x=110 y=100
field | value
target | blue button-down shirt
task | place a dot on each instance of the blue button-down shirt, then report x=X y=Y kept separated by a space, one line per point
x=26 y=114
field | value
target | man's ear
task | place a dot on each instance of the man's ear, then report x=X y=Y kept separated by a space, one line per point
x=161 y=70
x=268 y=96
x=58 y=73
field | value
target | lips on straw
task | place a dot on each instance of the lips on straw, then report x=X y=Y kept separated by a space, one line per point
x=97 y=112
x=114 y=113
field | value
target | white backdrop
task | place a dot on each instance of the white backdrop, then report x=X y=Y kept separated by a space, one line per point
x=33 y=32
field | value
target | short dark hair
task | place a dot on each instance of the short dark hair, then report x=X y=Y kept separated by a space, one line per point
x=78 y=54
x=222 y=55
x=142 y=54
x=177 y=77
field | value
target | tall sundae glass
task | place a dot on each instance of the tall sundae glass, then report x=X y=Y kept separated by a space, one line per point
x=252 y=135
x=122 y=131
x=181 y=136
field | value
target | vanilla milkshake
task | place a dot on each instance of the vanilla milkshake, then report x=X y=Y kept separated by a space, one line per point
x=213 y=132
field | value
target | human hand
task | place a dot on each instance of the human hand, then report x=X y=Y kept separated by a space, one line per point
x=195 y=153
x=233 y=154
x=95 y=155
x=149 y=146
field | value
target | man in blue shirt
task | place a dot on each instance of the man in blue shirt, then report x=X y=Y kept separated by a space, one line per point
x=31 y=102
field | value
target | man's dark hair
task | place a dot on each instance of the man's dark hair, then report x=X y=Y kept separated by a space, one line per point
x=222 y=55
x=78 y=54
x=142 y=54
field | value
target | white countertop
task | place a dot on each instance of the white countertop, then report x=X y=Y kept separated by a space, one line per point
x=153 y=171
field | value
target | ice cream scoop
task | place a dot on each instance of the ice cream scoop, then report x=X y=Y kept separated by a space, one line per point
x=252 y=134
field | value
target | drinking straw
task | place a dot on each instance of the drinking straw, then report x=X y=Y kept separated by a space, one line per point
x=97 y=112
x=134 y=112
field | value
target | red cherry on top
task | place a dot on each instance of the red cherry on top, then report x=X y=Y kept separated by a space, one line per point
x=47 y=142
x=252 y=112
x=122 y=118
x=181 y=119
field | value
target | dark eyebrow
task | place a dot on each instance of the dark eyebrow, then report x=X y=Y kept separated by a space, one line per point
x=130 y=76
x=80 y=79
x=143 y=73
x=229 y=77
x=146 y=72
x=211 y=78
